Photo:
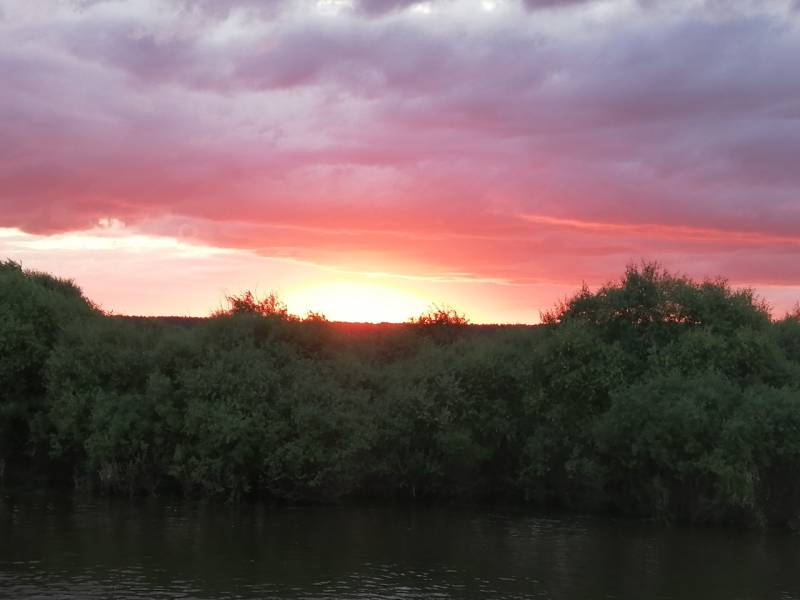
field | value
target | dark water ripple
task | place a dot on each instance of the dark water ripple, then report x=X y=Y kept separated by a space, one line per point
x=63 y=548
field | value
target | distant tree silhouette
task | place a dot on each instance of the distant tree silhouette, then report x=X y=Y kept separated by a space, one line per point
x=313 y=316
x=248 y=303
x=794 y=314
x=441 y=315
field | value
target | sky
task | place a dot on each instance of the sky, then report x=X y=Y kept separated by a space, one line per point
x=368 y=158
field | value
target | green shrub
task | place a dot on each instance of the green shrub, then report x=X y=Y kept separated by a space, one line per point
x=655 y=395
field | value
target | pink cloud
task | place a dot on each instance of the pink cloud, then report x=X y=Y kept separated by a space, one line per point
x=513 y=145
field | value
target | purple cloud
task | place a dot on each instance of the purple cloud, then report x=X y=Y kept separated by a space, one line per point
x=647 y=131
x=382 y=7
x=535 y=4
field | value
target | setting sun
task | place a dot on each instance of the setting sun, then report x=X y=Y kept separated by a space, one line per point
x=356 y=302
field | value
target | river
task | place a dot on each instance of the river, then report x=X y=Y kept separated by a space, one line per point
x=65 y=548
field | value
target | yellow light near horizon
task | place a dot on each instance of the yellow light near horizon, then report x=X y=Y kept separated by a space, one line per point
x=356 y=302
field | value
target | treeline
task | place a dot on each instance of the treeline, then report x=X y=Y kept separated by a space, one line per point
x=656 y=396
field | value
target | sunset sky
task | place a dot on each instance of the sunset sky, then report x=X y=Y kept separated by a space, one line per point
x=366 y=158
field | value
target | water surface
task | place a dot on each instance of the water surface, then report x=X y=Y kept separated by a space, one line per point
x=67 y=548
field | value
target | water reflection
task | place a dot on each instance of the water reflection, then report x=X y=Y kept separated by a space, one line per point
x=67 y=548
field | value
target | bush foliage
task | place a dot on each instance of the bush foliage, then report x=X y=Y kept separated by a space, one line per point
x=655 y=395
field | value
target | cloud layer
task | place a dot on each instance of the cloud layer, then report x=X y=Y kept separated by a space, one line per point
x=532 y=141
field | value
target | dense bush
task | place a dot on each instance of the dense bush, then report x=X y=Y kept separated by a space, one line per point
x=654 y=395
x=34 y=309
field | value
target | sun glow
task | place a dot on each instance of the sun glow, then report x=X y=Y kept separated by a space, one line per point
x=356 y=302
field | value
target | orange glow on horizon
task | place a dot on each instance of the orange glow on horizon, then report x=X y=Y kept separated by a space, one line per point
x=356 y=302
x=128 y=271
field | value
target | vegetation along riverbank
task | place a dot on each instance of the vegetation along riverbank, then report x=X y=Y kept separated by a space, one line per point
x=655 y=395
